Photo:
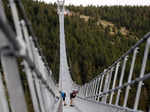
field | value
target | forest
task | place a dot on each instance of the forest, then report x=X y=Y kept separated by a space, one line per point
x=95 y=36
x=89 y=47
x=108 y=32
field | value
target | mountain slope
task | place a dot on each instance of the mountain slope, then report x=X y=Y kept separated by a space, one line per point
x=95 y=37
x=89 y=45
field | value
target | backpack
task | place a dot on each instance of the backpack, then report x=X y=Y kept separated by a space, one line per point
x=63 y=94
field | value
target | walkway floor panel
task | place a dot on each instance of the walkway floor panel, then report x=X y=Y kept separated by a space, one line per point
x=70 y=109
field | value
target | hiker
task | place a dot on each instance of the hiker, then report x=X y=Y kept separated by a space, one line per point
x=63 y=95
x=72 y=96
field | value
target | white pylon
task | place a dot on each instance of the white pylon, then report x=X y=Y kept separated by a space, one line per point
x=60 y=4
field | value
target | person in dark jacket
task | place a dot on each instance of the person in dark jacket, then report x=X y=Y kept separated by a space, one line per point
x=72 y=96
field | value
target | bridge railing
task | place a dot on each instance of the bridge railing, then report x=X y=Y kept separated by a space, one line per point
x=20 y=54
x=123 y=81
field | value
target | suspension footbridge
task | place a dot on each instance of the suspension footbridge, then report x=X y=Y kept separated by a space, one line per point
x=108 y=92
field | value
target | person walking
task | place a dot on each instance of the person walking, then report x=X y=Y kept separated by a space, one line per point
x=63 y=95
x=72 y=96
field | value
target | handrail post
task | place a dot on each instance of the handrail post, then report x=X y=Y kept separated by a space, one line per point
x=79 y=94
x=17 y=27
x=142 y=74
x=3 y=99
x=130 y=76
x=95 y=89
x=105 y=86
x=84 y=90
x=88 y=90
x=11 y=71
x=114 y=81
x=37 y=81
x=86 y=94
x=93 y=84
x=27 y=69
x=109 y=81
x=98 y=84
x=102 y=78
x=92 y=92
x=121 y=79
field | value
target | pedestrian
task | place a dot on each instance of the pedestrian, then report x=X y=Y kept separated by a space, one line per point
x=63 y=95
x=72 y=96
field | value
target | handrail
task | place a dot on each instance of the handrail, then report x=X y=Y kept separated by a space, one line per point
x=102 y=86
x=11 y=37
x=30 y=29
x=42 y=85
x=126 y=54
x=147 y=76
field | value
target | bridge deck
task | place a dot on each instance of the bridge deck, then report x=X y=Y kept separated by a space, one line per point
x=70 y=109
x=82 y=105
x=86 y=106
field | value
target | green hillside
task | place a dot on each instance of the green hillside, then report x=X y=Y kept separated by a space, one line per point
x=95 y=37
x=90 y=44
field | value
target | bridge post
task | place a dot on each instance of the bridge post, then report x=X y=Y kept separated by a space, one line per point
x=114 y=82
x=29 y=74
x=12 y=77
x=31 y=87
x=37 y=81
x=142 y=74
x=17 y=27
x=11 y=73
x=98 y=86
x=96 y=89
x=130 y=76
x=3 y=99
x=88 y=89
x=82 y=88
x=100 y=90
x=86 y=94
x=92 y=89
x=82 y=91
x=79 y=92
x=91 y=84
x=109 y=81
x=85 y=90
x=44 y=92
x=39 y=93
x=121 y=79
x=105 y=85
